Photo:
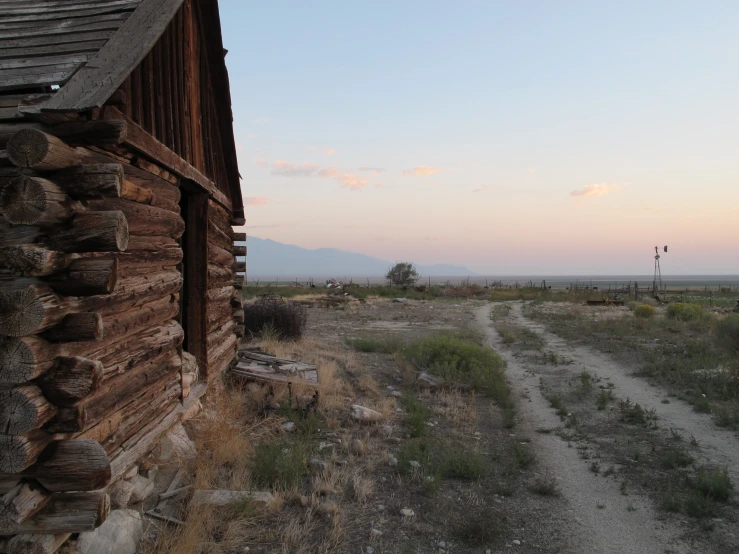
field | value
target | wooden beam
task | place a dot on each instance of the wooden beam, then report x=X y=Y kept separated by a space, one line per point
x=140 y=140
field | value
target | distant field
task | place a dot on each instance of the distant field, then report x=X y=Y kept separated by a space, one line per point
x=675 y=282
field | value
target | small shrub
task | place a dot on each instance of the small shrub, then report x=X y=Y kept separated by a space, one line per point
x=463 y=464
x=416 y=450
x=286 y=319
x=727 y=333
x=456 y=358
x=416 y=415
x=699 y=506
x=671 y=501
x=480 y=528
x=525 y=456
x=280 y=464
x=701 y=404
x=635 y=414
x=713 y=483
x=605 y=396
x=682 y=311
x=644 y=311
x=556 y=402
x=725 y=417
x=372 y=344
x=509 y=417
x=545 y=486
x=675 y=459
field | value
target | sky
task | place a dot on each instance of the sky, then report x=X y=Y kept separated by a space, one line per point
x=516 y=137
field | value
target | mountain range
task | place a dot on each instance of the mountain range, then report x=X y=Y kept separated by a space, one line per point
x=268 y=258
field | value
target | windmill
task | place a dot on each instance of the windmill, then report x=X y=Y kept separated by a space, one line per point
x=657 y=281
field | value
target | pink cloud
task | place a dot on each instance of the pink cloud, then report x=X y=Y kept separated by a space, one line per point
x=324 y=150
x=592 y=191
x=422 y=171
x=256 y=201
x=287 y=169
x=261 y=162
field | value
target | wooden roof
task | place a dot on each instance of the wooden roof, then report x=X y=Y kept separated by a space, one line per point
x=45 y=42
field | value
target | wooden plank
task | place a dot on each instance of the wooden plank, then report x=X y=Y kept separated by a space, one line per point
x=40 y=61
x=94 y=83
x=43 y=49
x=139 y=139
x=109 y=22
x=11 y=15
x=60 y=6
x=77 y=36
x=196 y=130
x=50 y=75
x=309 y=378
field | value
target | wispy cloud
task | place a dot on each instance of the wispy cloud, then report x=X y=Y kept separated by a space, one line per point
x=378 y=185
x=324 y=150
x=256 y=201
x=531 y=169
x=372 y=169
x=421 y=171
x=261 y=162
x=592 y=191
x=480 y=188
x=351 y=181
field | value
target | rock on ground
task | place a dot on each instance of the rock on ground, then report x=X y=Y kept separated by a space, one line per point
x=119 y=534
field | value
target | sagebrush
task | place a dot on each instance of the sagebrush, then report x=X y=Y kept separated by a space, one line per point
x=287 y=320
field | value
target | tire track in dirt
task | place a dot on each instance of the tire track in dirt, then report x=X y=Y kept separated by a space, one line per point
x=719 y=446
x=602 y=520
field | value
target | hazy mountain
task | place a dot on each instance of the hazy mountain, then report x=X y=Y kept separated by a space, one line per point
x=268 y=258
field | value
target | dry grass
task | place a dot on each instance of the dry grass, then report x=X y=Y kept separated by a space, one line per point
x=362 y=487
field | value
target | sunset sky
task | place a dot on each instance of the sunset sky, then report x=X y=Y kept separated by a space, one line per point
x=509 y=137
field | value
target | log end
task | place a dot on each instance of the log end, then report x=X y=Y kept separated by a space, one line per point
x=23 y=201
x=27 y=148
x=21 y=312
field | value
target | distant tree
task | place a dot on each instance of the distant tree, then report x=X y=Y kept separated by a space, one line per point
x=403 y=273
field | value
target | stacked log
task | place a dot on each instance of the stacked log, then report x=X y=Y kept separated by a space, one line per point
x=221 y=316
x=92 y=369
x=89 y=343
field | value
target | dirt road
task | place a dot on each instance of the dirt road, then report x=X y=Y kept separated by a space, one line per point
x=603 y=519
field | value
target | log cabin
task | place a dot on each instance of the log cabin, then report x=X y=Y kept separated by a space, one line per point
x=119 y=295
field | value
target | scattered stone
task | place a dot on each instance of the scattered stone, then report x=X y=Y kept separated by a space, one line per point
x=400 y=300
x=119 y=534
x=414 y=464
x=407 y=512
x=396 y=394
x=131 y=473
x=441 y=544
x=390 y=387
x=376 y=532
x=394 y=440
x=369 y=550
x=304 y=501
x=428 y=380
x=398 y=379
x=398 y=410
x=317 y=465
x=142 y=488
x=517 y=542
x=392 y=461
x=381 y=507
x=365 y=415
x=120 y=494
x=342 y=463
x=328 y=507
x=385 y=430
x=357 y=447
x=288 y=427
x=324 y=445
x=177 y=446
x=225 y=497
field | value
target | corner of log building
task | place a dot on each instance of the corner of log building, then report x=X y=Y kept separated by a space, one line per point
x=120 y=295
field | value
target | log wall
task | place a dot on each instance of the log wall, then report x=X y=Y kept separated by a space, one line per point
x=92 y=368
